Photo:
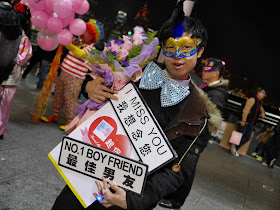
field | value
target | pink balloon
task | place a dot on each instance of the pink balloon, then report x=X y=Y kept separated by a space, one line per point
x=83 y=8
x=49 y=11
x=76 y=4
x=47 y=32
x=63 y=8
x=39 y=19
x=68 y=20
x=37 y=4
x=64 y=37
x=55 y=24
x=78 y=27
x=47 y=42
x=49 y=4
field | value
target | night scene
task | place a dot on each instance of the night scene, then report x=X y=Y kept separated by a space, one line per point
x=139 y=105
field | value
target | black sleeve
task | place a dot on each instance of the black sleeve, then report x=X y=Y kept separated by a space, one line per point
x=83 y=88
x=161 y=184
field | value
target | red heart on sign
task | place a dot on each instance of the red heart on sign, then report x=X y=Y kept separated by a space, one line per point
x=123 y=144
x=102 y=133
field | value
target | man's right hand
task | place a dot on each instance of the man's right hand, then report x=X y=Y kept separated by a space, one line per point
x=242 y=123
x=98 y=93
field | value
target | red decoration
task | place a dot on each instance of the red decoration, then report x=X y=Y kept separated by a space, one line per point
x=20 y=7
x=102 y=133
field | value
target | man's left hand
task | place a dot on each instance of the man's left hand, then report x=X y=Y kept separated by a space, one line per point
x=117 y=199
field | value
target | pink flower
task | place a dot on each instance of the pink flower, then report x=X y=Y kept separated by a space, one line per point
x=138 y=29
x=138 y=42
x=106 y=49
x=122 y=54
x=115 y=47
x=125 y=38
x=127 y=45
x=139 y=38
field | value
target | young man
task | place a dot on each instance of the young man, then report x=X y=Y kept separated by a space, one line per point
x=181 y=111
x=250 y=115
x=216 y=86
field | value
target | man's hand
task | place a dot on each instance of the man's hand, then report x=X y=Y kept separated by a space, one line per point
x=242 y=123
x=262 y=115
x=98 y=93
x=117 y=199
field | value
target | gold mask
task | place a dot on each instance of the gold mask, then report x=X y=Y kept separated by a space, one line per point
x=181 y=47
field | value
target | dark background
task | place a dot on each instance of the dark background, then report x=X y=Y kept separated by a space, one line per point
x=242 y=33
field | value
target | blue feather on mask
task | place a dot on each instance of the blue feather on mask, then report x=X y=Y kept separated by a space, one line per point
x=179 y=30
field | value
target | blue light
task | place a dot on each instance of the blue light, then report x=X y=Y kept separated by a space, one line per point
x=99 y=198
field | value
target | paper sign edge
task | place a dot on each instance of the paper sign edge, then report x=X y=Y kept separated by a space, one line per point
x=67 y=181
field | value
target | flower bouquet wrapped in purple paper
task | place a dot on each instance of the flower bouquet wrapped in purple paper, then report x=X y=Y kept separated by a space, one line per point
x=121 y=61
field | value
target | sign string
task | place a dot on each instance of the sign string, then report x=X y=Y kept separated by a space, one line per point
x=205 y=122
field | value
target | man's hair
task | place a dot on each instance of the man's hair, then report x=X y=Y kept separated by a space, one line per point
x=259 y=89
x=190 y=25
x=220 y=66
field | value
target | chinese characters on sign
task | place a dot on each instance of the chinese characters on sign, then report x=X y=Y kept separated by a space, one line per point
x=95 y=162
x=145 y=134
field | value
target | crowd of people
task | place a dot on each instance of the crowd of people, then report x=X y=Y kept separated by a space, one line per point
x=209 y=96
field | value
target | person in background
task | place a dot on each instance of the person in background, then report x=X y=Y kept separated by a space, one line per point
x=195 y=78
x=45 y=58
x=73 y=73
x=10 y=38
x=196 y=72
x=263 y=138
x=272 y=149
x=250 y=114
x=215 y=86
x=23 y=12
x=9 y=86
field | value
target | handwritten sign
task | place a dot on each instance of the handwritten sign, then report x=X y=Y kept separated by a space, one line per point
x=145 y=134
x=97 y=163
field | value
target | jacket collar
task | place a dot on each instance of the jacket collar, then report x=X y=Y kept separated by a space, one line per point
x=190 y=118
x=220 y=83
x=195 y=107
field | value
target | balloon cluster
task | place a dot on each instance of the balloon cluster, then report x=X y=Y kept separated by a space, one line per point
x=53 y=16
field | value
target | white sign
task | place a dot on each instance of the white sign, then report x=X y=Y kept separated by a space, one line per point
x=145 y=134
x=97 y=163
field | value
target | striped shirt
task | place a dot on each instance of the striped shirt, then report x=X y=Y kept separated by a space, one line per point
x=75 y=65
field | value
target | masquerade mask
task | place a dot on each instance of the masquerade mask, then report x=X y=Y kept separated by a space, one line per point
x=208 y=68
x=181 y=47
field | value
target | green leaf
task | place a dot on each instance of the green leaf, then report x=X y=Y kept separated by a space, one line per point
x=151 y=36
x=95 y=51
x=110 y=56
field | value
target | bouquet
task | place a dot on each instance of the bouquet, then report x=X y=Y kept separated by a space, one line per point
x=120 y=62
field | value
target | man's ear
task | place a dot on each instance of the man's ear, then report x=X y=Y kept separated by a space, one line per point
x=201 y=50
